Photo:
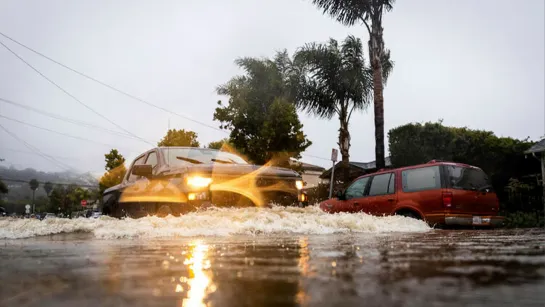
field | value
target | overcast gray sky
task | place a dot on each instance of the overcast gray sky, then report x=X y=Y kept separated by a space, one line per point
x=472 y=63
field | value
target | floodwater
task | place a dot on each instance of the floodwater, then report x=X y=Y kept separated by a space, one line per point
x=266 y=257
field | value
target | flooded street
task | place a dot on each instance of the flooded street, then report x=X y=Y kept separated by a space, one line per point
x=367 y=266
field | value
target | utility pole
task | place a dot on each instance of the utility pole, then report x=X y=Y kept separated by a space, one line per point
x=334 y=153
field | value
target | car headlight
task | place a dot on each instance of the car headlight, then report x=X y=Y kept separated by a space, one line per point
x=299 y=184
x=199 y=181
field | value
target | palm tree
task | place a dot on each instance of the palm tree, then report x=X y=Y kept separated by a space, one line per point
x=48 y=187
x=370 y=13
x=34 y=184
x=335 y=82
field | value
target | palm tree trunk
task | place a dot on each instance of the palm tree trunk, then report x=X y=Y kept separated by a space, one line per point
x=33 y=205
x=344 y=146
x=376 y=49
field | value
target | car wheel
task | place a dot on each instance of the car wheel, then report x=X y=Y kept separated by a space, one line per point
x=163 y=211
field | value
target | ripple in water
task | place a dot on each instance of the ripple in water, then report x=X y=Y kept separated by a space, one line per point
x=215 y=222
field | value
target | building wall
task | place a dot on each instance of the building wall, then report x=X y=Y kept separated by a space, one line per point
x=312 y=178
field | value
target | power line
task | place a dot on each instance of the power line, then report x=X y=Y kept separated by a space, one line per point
x=110 y=86
x=33 y=153
x=54 y=183
x=121 y=91
x=316 y=157
x=50 y=159
x=70 y=95
x=66 y=119
x=57 y=132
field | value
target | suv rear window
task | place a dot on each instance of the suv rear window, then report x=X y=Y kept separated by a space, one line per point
x=419 y=179
x=466 y=178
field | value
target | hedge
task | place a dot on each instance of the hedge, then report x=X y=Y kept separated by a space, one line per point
x=502 y=158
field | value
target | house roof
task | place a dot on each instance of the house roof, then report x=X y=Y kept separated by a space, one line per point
x=363 y=166
x=537 y=148
x=371 y=165
x=308 y=166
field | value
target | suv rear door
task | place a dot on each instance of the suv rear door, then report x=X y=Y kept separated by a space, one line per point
x=421 y=187
x=471 y=190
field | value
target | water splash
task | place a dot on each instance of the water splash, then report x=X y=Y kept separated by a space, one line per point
x=215 y=222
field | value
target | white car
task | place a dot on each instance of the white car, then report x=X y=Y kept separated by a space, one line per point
x=49 y=215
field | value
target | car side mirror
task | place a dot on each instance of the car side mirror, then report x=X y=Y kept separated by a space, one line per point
x=340 y=195
x=144 y=170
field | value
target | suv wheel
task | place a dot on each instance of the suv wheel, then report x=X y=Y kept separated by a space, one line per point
x=409 y=214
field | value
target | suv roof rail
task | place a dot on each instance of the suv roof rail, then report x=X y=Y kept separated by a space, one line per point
x=436 y=161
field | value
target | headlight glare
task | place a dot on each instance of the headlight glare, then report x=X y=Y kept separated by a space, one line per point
x=299 y=184
x=199 y=181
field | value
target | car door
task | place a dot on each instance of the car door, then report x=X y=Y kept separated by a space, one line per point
x=355 y=196
x=131 y=185
x=149 y=189
x=381 y=195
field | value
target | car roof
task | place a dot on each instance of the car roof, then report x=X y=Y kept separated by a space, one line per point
x=430 y=163
x=185 y=147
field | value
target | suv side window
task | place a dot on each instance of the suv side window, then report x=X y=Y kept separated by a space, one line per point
x=392 y=184
x=379 y=184
x=138 y=161
x=357 y=188
x=152 y=159
x=420 y=179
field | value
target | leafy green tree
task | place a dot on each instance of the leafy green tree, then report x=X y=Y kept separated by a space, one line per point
x=75 y=195
x=48 y=187
x=3 y=188
x=223 y=145
x=41 y=203
x=113 y=159
x=33 y=184
x=336 y=82
x=261 y=113
x=115 y=170
x=350 y=12
x=179 y=138
x=56 y=198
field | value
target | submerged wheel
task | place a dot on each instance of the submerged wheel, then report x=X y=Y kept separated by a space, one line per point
x=163 y=211
x=410 y=214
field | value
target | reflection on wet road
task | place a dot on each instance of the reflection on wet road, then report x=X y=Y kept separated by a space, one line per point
x=446 y=268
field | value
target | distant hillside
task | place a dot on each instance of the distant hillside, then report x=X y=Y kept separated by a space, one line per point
x=19 y=192
x=66 y=177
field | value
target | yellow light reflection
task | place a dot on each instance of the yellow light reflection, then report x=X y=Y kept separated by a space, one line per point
x=302 y=298
x=198 y=282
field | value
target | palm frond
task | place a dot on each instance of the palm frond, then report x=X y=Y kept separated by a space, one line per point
x=387 y=66
x=315 y=99
x=336 y=78
x=349 y=12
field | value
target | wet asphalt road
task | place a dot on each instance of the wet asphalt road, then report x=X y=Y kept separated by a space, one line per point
x=438 y=268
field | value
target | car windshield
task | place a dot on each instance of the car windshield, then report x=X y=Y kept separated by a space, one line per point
x=185 y=156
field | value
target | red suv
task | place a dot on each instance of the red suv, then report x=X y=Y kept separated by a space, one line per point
x=438 y=192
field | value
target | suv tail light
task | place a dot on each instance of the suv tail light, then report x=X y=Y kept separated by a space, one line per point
x=447 y=199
